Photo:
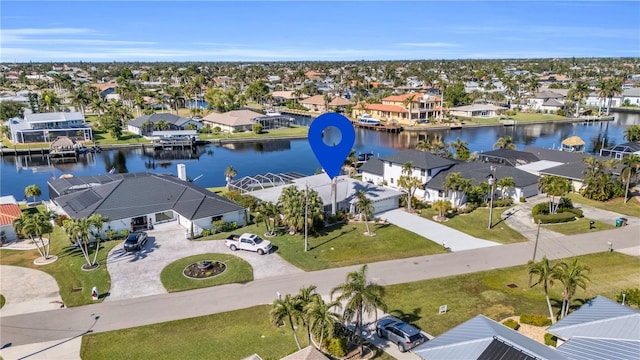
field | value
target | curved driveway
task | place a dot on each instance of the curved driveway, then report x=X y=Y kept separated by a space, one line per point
x=137 y=274
x=28 y=290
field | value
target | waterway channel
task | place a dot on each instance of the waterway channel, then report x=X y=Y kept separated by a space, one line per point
x=207 y=164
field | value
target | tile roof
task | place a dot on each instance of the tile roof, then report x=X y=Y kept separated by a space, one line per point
x=314 y=100
x=472 y=338
x=122 y=196
x=233 y=118
x=403 y=97
x=419 y=159
x=8 y=213
x=383 y=107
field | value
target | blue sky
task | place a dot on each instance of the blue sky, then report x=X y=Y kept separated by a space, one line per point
x=306 y=30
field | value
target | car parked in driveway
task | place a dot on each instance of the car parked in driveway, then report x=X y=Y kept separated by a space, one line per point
x=135 y=241
x=405 y=336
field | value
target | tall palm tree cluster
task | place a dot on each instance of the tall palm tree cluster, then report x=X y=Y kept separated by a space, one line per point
x=357 y=295
x=572 y=275
x=295 y=203
x=599 y=183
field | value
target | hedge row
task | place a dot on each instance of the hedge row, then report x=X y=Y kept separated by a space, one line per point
x=510 y=323
x=535 y=320
x=555 y=218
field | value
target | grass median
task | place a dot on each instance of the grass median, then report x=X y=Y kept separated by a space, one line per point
x=476 y=224
x=487 y=293
x=580 y=226
x=346 y=244
x=631 y=208
x=237 y=271
x=74 y=283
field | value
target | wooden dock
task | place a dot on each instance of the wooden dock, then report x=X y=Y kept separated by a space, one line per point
x=394 y=129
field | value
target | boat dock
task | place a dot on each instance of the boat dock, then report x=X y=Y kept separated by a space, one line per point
x=394 y=129
x=284 y=110
x=172 y=144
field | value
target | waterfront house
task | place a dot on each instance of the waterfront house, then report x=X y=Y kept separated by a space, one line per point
x=422 y=106
x=9 y=212
x=232 y=121
x=621 y=150
x=477 y=110
x=382 y=198
x=135 y=201
x=145 y=125
x=392 y=114
x=315 y=103
x=46 y=127
x=546 y=100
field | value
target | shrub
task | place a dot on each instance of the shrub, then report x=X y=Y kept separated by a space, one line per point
x=468 y=208
x=565 y=203
x=523 y=199
x=502 y=202
x=510 y=323
x=257 y=128
x=535 y=320
x=540 y=209
x=222 y=226
x=124 y=233
x=550 y=340
x=555 y=218
x=205 y=232
x=632 y=296
x=337 y=346
x=59 y=220
x=111 y=234
x=576 y=212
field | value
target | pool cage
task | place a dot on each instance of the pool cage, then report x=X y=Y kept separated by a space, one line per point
x=263 y=181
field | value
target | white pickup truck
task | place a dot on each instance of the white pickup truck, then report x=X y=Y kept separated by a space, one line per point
x=247 y=241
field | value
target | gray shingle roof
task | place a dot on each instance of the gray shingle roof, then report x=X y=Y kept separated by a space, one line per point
x=122 y=196
x=511 y=156
x=600 y=318
x=571 y=170
x=373 y=166
x=470 y=339
x=478 y=172
x=555 y=155
x=420 y=159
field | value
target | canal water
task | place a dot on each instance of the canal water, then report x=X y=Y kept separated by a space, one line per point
x=207 y=164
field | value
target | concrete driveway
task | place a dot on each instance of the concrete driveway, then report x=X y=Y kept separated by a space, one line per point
x=438 y=233
x=27 y=290
x=137 y=274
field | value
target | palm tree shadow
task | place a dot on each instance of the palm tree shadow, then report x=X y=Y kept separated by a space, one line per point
x=411 y=317
x=343 y=232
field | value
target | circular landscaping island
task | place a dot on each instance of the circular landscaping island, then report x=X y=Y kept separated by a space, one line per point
x=204 y=270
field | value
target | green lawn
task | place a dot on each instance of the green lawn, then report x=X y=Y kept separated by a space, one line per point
x=476 y=224
x=104 y=138
x=579 y=226
x=67 y=270
x=486 y=293
x=238 y=271
x=231 y=335
x=631 y=208
x=345 y=245
x=520 y=117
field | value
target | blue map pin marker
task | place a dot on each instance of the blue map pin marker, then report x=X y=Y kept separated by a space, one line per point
x=331 y=157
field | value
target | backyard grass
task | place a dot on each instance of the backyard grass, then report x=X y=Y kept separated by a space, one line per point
x=238 y=271
x=631 y=208
x=476 y=224
x=298 y=131
x=66 y=270
x=579 y=226
x=487 y=293
x=520 y=117
x=104 y=138
x=346 y=244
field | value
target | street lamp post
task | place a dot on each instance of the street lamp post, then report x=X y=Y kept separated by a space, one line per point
x=492 y=180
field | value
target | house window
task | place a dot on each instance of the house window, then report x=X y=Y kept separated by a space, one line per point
x=423 y=172
x=216 y=218
x=163 y=216
x=392 y=180
x=440 y=193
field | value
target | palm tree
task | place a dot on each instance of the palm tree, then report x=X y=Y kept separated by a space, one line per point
x=365 y=207
x=505 y=184
x=303 y=299
x=505 y=143
x=97 y=222
x=322 y=318
x=409 y=182
x=269 y=213
x=572 y=275
x=579 y=92
x=79 y=232
x=461 y=148
x=456 y=183
x=293 y=205
x=546 y=275
x=286 y=309
x=441 y=206
x=408 y=103
x=632 y=133
x=32 y=191
x=35 y=225
x=229 y=174
x=361 y=296
x=554 y=186
x=631 y=164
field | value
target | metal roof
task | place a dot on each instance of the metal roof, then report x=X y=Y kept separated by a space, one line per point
x=579 y=348
x=600 y=318
x=472 y=338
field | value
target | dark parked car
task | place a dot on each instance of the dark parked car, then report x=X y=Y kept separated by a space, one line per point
x=135 y=241
x=400 y=333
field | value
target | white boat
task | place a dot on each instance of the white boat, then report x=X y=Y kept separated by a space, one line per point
x=272 y=112
x=367 y=119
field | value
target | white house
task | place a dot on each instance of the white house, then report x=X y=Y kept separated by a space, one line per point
x=546 y=100
x=232 y=121
x=477 y=110
x=46 y=127
x=145 y=125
